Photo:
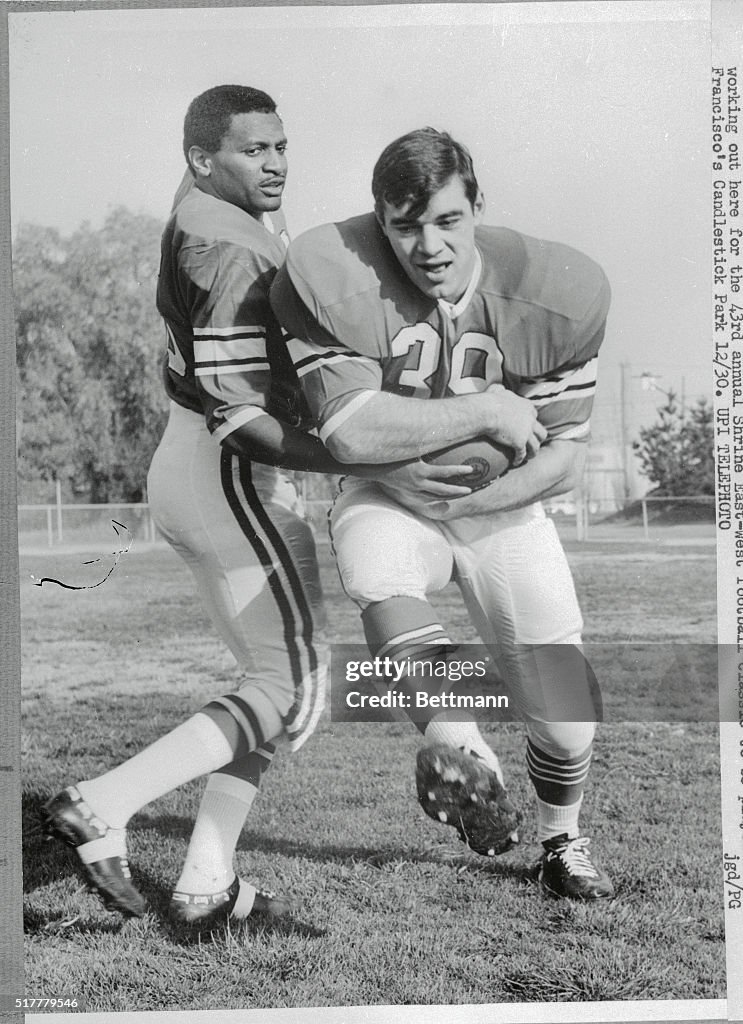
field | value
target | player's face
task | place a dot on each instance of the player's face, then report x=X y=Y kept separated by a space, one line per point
x=249 y=168
x=437 y=249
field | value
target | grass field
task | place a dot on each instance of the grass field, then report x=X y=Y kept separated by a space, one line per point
x=393 y=909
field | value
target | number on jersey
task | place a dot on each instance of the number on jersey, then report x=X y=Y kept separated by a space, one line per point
x=476 y=360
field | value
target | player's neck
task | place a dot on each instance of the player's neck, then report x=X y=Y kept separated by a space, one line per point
x=453 y=309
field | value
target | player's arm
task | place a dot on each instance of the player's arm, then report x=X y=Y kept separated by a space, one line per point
x=226 y=288
x=268 y=440
x=563 y=401
x=556 y=469
x=361 y=423
x=387 y=427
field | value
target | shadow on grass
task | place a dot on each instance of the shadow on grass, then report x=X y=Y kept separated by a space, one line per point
x=35 y=923
x=282 y=927
x=44 y=859
x=342 y=853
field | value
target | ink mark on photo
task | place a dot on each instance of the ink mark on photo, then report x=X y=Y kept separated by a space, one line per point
x=90 y=586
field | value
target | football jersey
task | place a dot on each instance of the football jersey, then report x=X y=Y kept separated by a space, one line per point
x=532 y=319
x=226 y=357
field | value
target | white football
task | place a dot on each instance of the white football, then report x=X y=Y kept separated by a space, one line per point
x=488 y=459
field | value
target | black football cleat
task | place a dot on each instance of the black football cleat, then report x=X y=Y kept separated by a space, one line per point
x=457 y=789
x=101 y=850
x=566 y=869
x=207 y=912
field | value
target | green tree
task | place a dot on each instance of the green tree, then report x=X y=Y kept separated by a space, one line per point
x=91 y=404
x=676 y=452
x=49 y=372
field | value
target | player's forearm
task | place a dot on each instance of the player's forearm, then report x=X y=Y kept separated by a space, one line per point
x=390 y=428
x=557 y=468
x=273 y=443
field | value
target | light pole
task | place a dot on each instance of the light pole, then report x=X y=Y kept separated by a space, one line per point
x=649 y=382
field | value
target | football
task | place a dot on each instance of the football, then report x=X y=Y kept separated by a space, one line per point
x=488 y=459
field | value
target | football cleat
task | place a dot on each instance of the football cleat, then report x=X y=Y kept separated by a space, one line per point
x=457 y=789
x=234 y=903
x=566 y=869
x=101 y=850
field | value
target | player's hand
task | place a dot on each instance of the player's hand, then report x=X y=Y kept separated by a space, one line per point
x=477 y=503
x=412 y=483
x=516 y=424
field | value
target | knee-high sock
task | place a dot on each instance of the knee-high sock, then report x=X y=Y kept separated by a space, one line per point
x=227 y=799
x=227 y=728
x=559 y=784
x=406 y=629
x=192 y=749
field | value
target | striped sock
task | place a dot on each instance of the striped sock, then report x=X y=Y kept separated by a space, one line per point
x=405 y=629
x=559 y=786
x=247 y=718
x=557 y=781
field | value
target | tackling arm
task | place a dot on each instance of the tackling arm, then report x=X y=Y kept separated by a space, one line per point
x=555 y=469
x=268 y=440
x=389 y=428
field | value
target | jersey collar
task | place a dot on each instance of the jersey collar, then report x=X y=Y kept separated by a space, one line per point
x=454 y=309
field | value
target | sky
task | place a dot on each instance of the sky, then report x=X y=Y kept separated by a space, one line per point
x=588 y=124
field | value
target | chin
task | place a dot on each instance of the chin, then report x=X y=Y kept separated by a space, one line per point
x=437 y=291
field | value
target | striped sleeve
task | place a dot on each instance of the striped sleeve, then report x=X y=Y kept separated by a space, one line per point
x=336 y=380
x=563 y=400
x=232 y=325
x=564 y=396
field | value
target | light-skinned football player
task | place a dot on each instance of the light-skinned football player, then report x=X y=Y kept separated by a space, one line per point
x=395 y=315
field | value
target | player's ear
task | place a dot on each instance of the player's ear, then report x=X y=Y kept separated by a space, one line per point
x=200 y=161
x=478 y=208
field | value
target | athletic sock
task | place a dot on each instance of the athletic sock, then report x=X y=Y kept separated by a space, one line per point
x=556 y=780
x=227 y=799
x=406 y=630
x=467 y=737
x=194 y=748
x=554 y=820
x=558 y=783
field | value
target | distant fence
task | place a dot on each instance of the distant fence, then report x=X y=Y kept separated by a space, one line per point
x=72 y=524
x=53 y=525
x=596 y=518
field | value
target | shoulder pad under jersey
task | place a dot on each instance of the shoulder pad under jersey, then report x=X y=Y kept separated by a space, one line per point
x=565 y=288
x=203 y=217
x=348 y=278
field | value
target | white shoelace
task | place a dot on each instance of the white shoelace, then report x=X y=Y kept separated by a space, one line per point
x=576 y=858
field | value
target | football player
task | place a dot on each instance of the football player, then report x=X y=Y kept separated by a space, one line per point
x=394 y=315
x=219 y=498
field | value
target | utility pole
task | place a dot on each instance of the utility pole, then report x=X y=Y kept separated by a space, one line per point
x=625 y=378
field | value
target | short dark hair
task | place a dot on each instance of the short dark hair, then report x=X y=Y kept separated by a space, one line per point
x=416 y=166
x=209 y=116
